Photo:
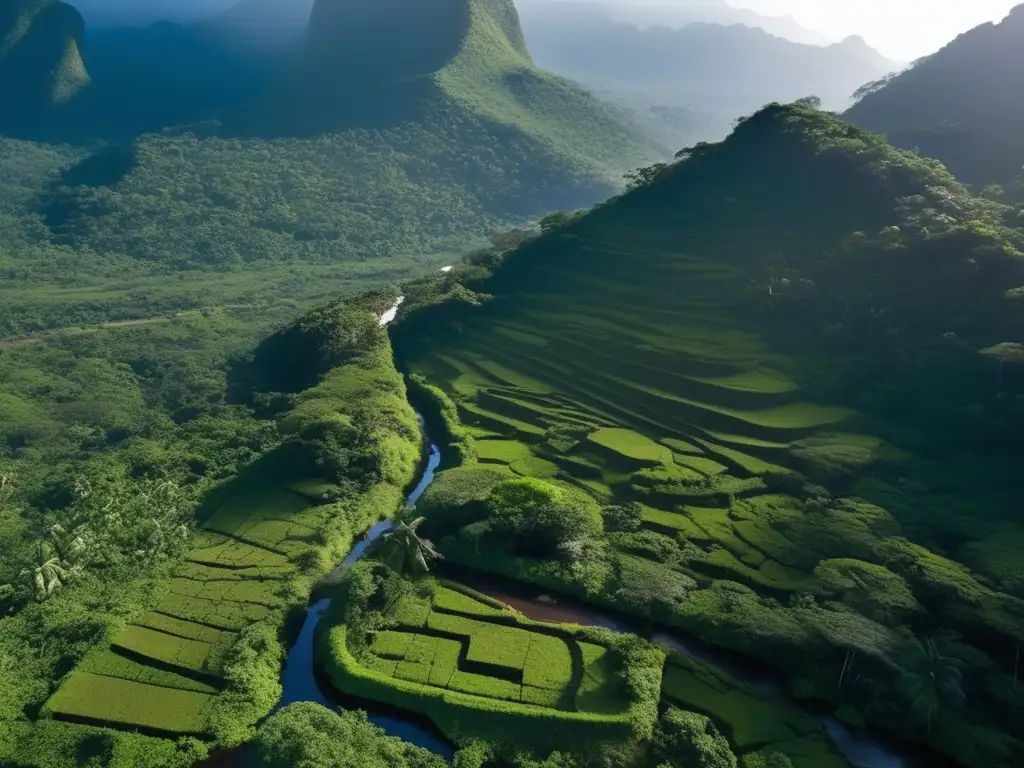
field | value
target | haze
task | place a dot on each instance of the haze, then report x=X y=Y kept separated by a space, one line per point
x=900 y=29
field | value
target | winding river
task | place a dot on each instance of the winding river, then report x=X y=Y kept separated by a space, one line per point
x=302 y=682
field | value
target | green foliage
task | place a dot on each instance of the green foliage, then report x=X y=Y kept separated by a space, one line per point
x=937 y=105
x=623 y=518
x=511 y=675
x=307 y=735
x=931 y=683
x=689 y=740
x=445 y=422
x=41 y=64
x=542 y=519
x=872 y=589
x=403 y=550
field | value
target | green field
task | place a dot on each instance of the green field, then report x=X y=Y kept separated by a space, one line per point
x=472 y=666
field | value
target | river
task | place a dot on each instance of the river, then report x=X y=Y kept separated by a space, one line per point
x=301 y=681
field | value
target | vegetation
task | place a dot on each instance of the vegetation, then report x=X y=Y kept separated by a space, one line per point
x=180 y=633
x=307 y=735
x=481 y=672
x=41 y=66
x=780 y=499
x=955 y=105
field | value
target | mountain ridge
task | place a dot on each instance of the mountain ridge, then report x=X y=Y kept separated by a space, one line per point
x=732 y=348
x=959 y=104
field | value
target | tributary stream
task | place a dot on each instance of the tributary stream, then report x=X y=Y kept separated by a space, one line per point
x=302 y=682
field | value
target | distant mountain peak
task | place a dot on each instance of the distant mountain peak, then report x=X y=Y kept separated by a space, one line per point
x=41 y=66
x=386 y=40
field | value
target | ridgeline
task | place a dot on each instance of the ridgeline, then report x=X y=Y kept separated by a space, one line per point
x=800 y=457
x=960 y=105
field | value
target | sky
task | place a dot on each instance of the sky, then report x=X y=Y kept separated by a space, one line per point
x=900 y=29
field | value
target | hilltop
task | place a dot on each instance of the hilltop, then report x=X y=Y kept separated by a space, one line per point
x=41 y=66
x=961 y=105
x=777 y=365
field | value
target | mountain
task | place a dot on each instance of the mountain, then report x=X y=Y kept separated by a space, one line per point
x=41 y=66
x=297 y=180
x=709 y=68
x=961 y=105
x=676 y=15
x=787 y=366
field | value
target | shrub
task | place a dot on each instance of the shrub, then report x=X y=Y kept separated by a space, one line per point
x=442 y=415
x=627 y=517
x=307 y=735
x=689 y=740
x=457 y=498
x=541 y=518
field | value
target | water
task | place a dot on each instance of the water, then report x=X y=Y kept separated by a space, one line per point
x=860 y=752
x=300 y=681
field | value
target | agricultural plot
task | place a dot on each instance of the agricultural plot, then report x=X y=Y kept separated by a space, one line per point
x=458 y=643
x=674 y=406
x=162 y=672
x=752 y=724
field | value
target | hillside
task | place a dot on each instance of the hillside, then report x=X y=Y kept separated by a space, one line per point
x=265 y=198
x=801 y=457
x=724 y=69
x=41 y=66
x=961 y=105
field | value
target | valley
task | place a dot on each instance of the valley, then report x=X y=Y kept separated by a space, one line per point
x=375 y=393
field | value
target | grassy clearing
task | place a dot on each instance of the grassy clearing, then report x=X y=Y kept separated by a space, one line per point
x=631 y=445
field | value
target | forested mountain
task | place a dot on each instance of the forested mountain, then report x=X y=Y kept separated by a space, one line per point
x=796 y=355
x=416 y=153
x=961 y=105
x=710 y=69
x=41 y=68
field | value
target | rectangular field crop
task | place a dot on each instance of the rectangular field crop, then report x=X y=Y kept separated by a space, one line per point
x=170 y=649
x=481 y=685
x=450 y=600
x=501 y=646
x=391 y=645
x=109 y=664
x=446 y=662
x=128 y=704
x=548 y=663
x=598 y=691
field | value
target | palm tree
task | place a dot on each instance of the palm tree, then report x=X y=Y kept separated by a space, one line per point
x=404 y=551
x=51 y=574
x=930 y=681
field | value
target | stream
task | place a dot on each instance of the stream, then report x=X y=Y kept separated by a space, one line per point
x=302 y=682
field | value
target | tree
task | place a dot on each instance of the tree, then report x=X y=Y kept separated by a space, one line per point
x=1006 y=352
x=541 y=518
x=404 y=551
x=688 y=740
x=308 y=735
x=50 y=574
x=628 y=516
x=930 y=681
x=641 y=177
x=809 y=102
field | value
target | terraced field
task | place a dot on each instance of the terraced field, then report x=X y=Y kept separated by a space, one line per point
x=677 y=406
x=162 y=672
x=752 y=724
x=457 y=659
